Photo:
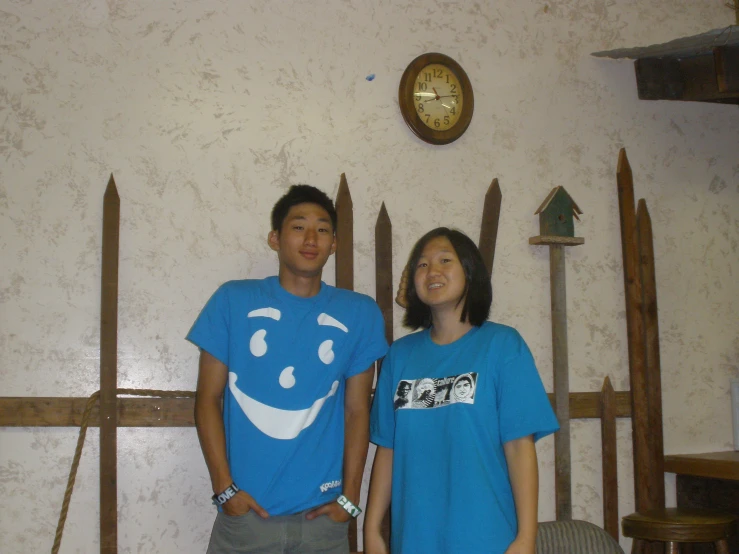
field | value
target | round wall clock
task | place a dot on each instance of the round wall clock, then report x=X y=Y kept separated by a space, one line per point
x=435 y=97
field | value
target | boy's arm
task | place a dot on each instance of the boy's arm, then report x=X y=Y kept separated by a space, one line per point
x=356 y=443
x=523 y=473
x=212 y=377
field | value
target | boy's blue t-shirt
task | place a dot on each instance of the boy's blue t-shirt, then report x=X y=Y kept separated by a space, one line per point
x=446 y=411
x=288 y=358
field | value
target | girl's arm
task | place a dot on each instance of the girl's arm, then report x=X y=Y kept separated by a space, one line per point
x=378 y=501
x=523 y=473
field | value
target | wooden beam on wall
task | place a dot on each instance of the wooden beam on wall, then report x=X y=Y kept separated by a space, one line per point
x=178 y=412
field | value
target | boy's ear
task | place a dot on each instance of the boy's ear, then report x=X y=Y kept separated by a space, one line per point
x=273 y=239
x=333 y=245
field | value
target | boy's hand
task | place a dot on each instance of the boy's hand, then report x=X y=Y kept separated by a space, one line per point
x=241 y=503
x=400 y=298
x=333 y=510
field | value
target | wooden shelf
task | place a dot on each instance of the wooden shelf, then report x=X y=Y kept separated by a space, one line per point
x=714 y=465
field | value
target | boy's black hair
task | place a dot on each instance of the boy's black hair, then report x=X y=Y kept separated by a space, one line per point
x=301 y=194
x=478 y=291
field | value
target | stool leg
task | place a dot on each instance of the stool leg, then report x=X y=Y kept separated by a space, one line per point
x=637 y=547
x=722 y=546
x=672 y=548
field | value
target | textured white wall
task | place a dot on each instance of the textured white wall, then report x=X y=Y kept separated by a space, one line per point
x=207 y=111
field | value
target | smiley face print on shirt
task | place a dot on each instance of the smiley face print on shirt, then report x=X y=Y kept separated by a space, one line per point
x=288 y=370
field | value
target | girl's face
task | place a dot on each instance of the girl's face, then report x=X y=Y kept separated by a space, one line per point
x=439 y=277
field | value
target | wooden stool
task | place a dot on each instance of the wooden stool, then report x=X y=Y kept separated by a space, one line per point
x=674 y=526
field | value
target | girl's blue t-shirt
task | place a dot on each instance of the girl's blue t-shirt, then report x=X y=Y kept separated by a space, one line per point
x=446 y=411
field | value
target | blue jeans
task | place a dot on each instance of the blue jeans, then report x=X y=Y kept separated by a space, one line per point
x=291 y=534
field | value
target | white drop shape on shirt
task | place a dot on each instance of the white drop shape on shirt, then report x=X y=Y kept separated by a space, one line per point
x=257 y=344
x=287 y=379
x=325 y=354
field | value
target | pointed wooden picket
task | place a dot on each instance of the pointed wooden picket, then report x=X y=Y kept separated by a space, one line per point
x=609 y=460
x=653 y=381
x=384 y=269
x=344 y=237
x=109 y=371
x=489 y=225
x=643 y=492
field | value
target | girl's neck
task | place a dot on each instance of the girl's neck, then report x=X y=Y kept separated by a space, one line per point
x=446 y=327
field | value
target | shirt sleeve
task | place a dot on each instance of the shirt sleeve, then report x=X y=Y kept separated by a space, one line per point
x=372 y=344
x=382 y=416
x=210 y=332
x=524 y=406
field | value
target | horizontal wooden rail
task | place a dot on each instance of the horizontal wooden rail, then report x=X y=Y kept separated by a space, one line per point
x=178 y=412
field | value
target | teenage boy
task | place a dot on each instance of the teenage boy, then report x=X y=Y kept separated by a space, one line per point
x=282 y=405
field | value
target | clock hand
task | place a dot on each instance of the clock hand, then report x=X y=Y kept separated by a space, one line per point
x=436 y=93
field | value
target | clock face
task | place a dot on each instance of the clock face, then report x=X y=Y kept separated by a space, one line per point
x=435 y=98
x=438 y=97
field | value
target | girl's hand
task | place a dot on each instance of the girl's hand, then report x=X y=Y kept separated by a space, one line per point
x=522 y=546
x=374 y=543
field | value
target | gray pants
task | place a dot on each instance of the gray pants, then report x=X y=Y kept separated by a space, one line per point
x=293 y=534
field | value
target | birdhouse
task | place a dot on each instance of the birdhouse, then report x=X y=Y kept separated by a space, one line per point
x=556 y=213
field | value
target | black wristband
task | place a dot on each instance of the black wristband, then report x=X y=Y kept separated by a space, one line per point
x=221 y=498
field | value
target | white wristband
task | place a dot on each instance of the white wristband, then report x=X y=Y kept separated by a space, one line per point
x=345 y=503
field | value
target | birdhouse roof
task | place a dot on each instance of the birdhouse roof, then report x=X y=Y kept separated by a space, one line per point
x=575 y=209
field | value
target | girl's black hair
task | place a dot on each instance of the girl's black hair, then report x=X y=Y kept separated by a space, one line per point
x=478 y=291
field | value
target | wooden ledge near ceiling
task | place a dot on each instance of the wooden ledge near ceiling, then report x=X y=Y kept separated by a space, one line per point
x=700 y=68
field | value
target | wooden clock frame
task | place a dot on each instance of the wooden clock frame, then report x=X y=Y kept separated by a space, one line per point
x=407 y=102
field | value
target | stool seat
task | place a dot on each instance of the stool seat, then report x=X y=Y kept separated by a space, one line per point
x=679 y=525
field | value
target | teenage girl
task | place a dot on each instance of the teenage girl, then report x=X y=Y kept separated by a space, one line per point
x=457 y=462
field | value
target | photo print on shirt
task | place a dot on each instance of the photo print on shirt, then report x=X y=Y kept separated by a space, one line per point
x=428 y=392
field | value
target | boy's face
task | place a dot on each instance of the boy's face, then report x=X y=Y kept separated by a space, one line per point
x=305 y=242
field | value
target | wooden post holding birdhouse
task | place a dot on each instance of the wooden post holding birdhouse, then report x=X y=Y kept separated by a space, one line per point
x=558 y=231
